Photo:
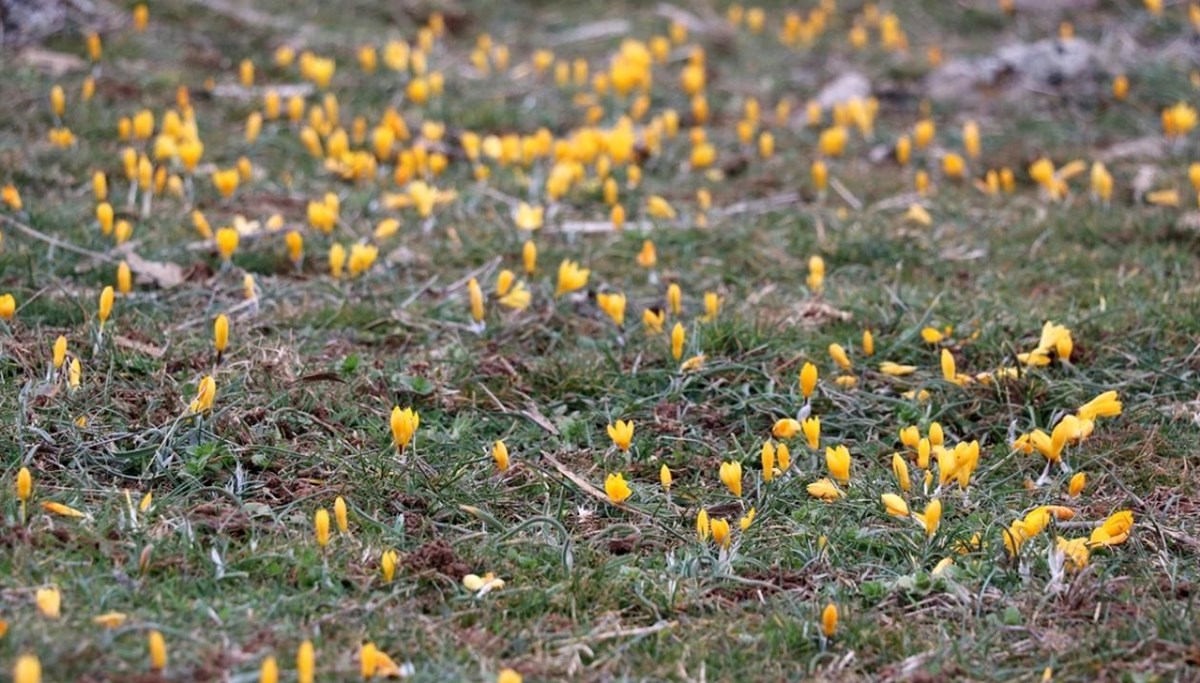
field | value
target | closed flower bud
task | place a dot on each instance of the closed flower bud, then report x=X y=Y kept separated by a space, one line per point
x=786 y=428
x=808 y=380
x=227 y=242
x=27 y=670
x=124 y=278
x=221 y=333
x=500 y=455
x=75 y=373
x=157 y=647
x=340 y=515
x=141 y=17
x=321 y=527
x=404 y=424
x=8 y=306
x=829 y=620
x=105 y=307
x=720 y=532
x=949 y=371
x=731 y=476
x=337 y=260
x=24 y=485
x=387 y=565
x=931 y=518
x=122 y=231
x=1075 y=487
x=475 y=294
x=703 y=525
x=1120 y=87
x=900 y=469
x=295 y=247
x=529 y=257
x=306 y=663
x=825 y=489
x=936 y=435
x=894 y=505
x=812 y=431
x=677 y=339
x=269 y=671
x=768 y=461
x=205 y=393
x=49 y=602
x=60 y=352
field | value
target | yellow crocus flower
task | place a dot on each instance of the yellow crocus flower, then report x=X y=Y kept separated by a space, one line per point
x=321 y=527
x=808 y=380
x=617 y=489
x=837 y=460
x=731 y=475
x=404 y=424
x=571 y=277
x=621 y=434
x=500 y=455
x=720 y=532
x=829 y=620
x=825 y=489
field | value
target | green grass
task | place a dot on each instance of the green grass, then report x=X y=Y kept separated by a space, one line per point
x=225 y=563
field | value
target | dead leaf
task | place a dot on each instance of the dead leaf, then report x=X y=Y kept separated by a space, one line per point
x=962 y=253
x=851 y=85
x=1148 y=147
x=1052 y=6
x=755 y=297
x=1016 y=69
x=140 y=346
x=758 y=206
x=1189 y=222
x=608 y=28
x=594 y=227
x=51 y=63
x=400 y=256
x=815 y=313
x=1188 y=411
x=235 y=91
x=244 y=13
x=322 y=377
x=1143 y=181
x=165 y=275
x=531 y=411
x=708 y=26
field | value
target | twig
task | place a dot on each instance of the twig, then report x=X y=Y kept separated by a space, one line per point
x=508 y=199
x=417 y=293
x=759 y=205
x=30 y=232
x=243 y=304
x=593 y=31
x=626 y=633
x=899 y=201
x=854 y=202
x=462 y=282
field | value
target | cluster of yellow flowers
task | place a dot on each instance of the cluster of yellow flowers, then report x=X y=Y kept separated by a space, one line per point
x=644 y=108
x=953 y=464
x=586 y=155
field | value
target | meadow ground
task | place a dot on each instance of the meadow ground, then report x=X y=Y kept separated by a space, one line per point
x=223 y=561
